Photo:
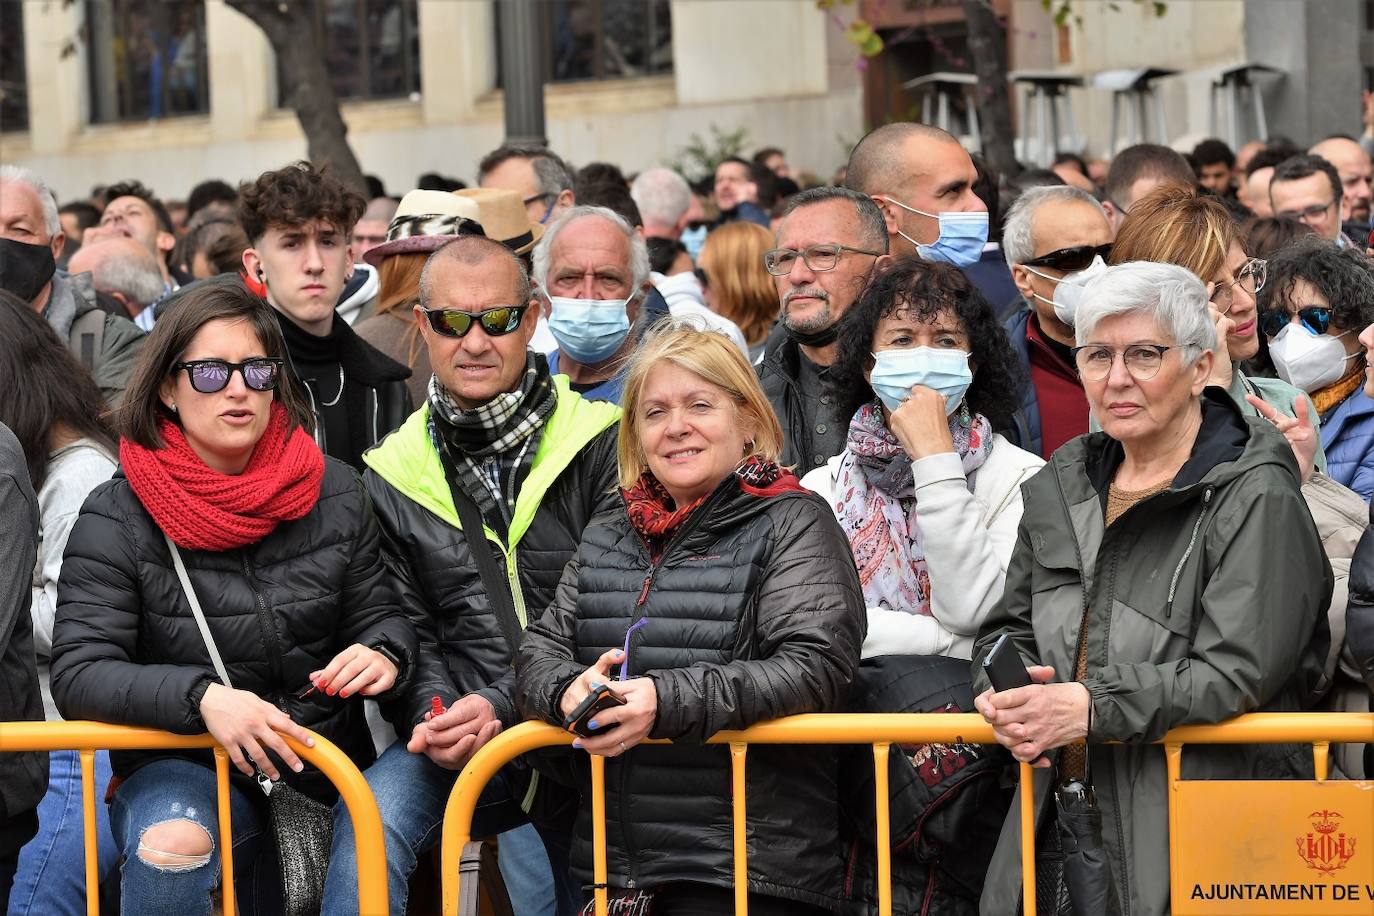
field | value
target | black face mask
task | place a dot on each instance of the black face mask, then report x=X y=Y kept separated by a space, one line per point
x=25 y=268
x=822 y=338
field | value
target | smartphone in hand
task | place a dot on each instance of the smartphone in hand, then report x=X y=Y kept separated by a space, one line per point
x=601 y=698
x=1004 y=667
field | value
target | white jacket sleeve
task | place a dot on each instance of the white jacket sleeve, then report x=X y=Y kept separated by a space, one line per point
x=902 y=633
x=966 y=556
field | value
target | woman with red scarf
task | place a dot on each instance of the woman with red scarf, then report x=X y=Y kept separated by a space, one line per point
x=720 y=595
x=219 y=475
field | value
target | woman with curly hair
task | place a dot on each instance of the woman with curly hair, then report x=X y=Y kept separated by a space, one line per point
x=1317 y=300
x=928 y=494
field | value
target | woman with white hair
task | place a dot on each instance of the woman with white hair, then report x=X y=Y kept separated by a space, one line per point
x=1144 y=591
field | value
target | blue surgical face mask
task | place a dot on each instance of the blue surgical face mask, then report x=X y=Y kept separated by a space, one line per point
x=962 y=236
x=693 y=240
x=895 y=372
x=589 y=331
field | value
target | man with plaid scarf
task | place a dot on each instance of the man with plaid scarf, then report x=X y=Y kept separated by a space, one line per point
x=501 y=438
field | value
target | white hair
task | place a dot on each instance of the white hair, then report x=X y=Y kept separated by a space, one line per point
x=1171 y=295
x=639 y=252
x=661 y=195
x=134 y=274
x=1018 y=243
x=40 y=187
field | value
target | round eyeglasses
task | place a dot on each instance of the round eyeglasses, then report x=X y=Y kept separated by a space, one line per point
x=1250 y=278
x=1142 y=361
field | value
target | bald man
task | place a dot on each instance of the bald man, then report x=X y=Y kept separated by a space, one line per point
x=1353 y=165
x=922 y=179
x=123 y=267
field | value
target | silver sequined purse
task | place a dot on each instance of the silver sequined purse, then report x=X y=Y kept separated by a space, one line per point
x=303 y=828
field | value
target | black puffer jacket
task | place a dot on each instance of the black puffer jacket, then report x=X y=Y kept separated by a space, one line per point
x=126 y=648
x=754 y=612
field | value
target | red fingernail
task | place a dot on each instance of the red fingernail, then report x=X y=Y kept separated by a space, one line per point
x=343 y=693
x=330 y=691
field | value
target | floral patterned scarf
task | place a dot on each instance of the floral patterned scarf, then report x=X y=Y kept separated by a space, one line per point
x=874 y=499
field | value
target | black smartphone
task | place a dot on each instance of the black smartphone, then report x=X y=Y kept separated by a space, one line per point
x=601 y=698
x=1004 y=667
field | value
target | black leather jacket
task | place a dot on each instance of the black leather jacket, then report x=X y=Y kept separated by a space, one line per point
x=754 y=612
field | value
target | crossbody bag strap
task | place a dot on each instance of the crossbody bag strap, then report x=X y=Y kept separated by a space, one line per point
x=484 y=555
x=197 y=612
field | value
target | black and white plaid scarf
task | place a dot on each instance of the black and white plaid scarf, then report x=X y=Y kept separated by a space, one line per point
x=490 y=449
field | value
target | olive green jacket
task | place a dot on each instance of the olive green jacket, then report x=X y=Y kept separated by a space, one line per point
x=1203 y=602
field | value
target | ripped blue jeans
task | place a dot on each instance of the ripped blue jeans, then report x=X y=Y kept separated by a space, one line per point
x=171 y=790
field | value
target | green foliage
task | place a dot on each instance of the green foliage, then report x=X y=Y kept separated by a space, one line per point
x=1063 y=10
x=859 y=31
x=699 y=158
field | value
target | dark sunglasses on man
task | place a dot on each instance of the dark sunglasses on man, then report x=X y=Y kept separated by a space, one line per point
x=1071 y=259
x=1314 y=318
x=496 y=322
x=209 y=376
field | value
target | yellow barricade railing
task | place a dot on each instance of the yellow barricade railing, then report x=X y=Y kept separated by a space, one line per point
x=882 y=731
x=88 y=737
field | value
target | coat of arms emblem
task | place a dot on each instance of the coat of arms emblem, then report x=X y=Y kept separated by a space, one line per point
x=1326 y=849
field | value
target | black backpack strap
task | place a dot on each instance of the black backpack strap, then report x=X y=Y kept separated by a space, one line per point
x=493 y=580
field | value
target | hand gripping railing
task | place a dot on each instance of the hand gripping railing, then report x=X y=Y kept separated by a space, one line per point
x=88 y=737
x=882 y=731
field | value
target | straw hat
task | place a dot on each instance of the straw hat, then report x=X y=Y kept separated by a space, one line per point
x=503 y=217
x=425 y=221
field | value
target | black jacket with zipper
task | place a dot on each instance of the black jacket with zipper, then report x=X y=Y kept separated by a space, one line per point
x=127 y=650
x=754 y=612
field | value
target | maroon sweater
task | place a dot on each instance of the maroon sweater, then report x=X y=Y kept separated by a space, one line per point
x=1063 y=406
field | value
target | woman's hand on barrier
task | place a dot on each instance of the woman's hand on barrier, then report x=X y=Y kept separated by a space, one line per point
x=356 y=669
x=452 y=738
x=599 y=673
x=247 y=727
x=1029 y=721
x=1297 y=430
x=632 y=722
x=921 y=425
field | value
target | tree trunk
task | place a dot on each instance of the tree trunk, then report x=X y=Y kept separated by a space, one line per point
x=987 y=42
x=290 y=28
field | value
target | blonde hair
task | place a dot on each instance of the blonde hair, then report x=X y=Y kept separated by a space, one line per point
x=715 y=358
x=1177 y=225
x=742 y=289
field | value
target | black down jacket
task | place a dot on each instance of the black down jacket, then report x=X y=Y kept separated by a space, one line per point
x=126 y=648
x=754 y=612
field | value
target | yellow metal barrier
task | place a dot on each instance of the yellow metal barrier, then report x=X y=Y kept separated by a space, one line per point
x=88 y=737
x=881 y=730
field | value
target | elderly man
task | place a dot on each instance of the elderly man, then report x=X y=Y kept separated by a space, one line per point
x=134 y=212
x=122 y=268
x=666 y=203
x=594 y=270
x=829 y=242
x=1353 y=165
x=922 y=180
x=543 y=180
x=1138 y=170
x=1050 y=232
x=503 y=448
x=1308 y=188
x=31 y=240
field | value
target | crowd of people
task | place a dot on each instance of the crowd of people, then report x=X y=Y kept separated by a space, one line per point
x=649 y=460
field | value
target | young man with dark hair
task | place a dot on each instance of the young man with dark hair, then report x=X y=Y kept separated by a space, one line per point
x=1136 y=171
x=1308 y=188
x=134 y=211
x=1215 y=164
x=743 y=191
x=298 y=220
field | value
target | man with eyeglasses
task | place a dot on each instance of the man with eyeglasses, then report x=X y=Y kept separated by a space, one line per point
x=482 y=494
x=1050 y=232
x=593 y=267
x=542 y=179
x=298 y=221
x=829 y=242
x=1308 y=188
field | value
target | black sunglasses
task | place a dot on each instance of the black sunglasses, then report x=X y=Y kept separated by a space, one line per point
x=211 y=375
x=496 y=322
x=1070 y=259
x=1315 y=318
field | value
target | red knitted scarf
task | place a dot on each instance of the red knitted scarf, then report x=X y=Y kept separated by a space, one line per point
x=202 y=509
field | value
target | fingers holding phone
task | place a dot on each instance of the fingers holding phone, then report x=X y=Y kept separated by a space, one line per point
x=620 y=726
x=586 y=682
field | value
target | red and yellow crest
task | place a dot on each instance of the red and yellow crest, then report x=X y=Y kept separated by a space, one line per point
x=1326 y=849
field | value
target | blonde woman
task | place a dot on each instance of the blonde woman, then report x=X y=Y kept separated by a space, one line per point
x=720 y=595
x=735 y=283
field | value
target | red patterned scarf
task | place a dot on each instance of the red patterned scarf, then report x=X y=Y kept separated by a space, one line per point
x=202 y=509
x=653 y=515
